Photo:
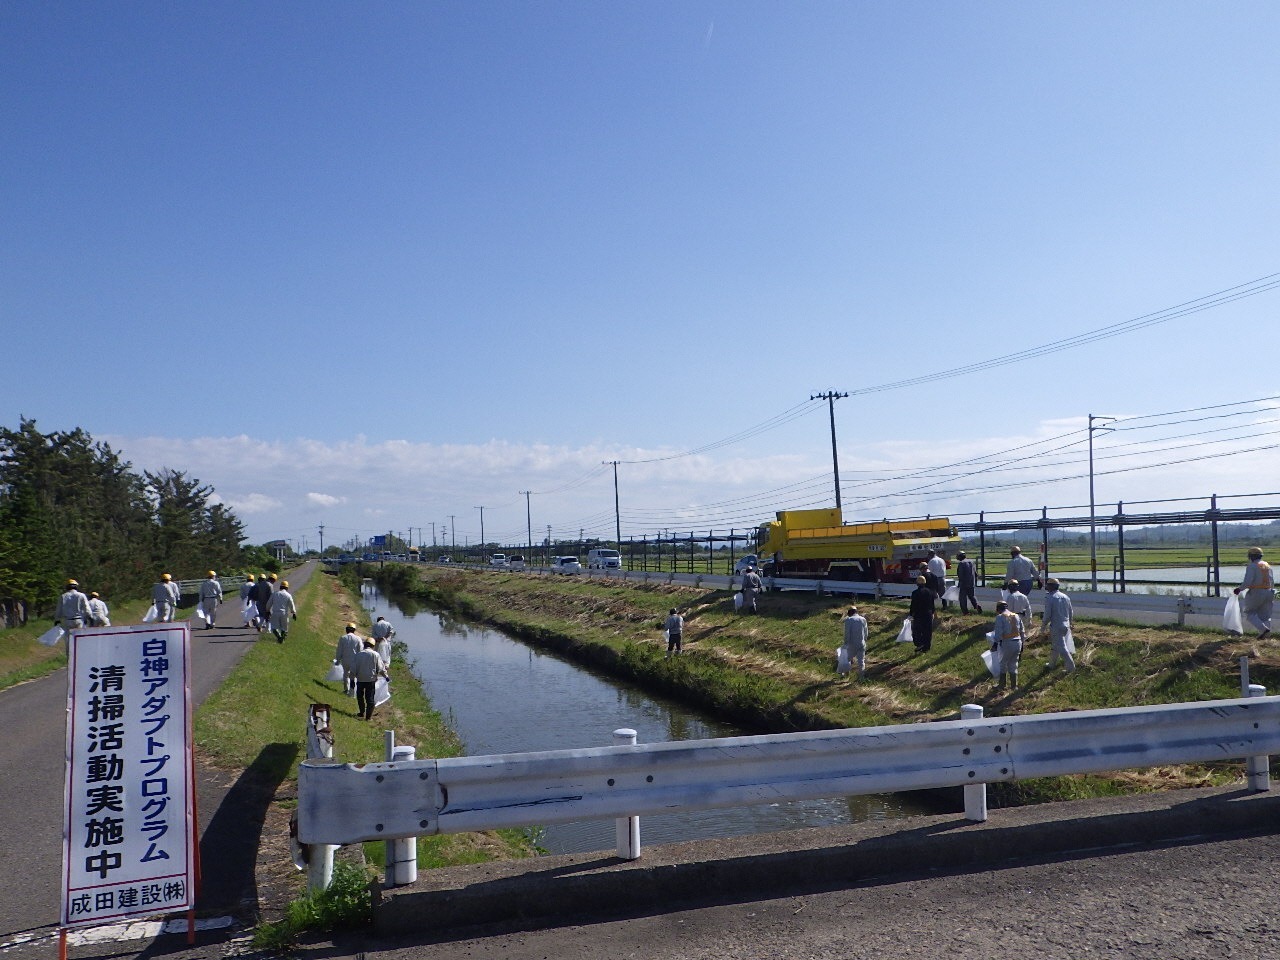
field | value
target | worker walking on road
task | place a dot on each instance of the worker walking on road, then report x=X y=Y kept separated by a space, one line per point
x=1261 y=593
x=1007 y=637
x=383 y=631
x=262 y=594
x=1057 y=617
x=72 y=611
x=165 y=596
x=210 y=597
x=99 y=615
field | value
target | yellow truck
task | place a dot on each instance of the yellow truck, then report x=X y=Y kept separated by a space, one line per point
x=818 y=543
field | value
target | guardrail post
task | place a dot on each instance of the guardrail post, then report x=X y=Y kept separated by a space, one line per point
x=402 y=855
x=1244 y=676
x=975 y=796
x=319 y=866
x=628 y=828
x=1183 y=606
x=1259 y=768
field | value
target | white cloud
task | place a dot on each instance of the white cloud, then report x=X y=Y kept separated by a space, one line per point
x=415 y=488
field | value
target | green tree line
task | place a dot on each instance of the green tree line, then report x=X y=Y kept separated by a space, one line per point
x=71 y=507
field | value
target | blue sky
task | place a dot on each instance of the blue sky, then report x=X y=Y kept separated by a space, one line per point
x=375 y=265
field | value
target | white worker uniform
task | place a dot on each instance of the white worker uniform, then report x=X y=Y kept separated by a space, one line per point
x=1022 y=570
x=282 y=609
x=210 y=597
x=165 y=596
x=349 y=644
x=99 y=615
x=1007 y=635
x=1057 y=614
x=855 y=641
x=1019 y=604
x=73 y=610
x=1260 y=594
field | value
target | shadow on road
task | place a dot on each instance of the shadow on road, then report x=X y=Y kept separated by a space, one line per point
x=229 y=847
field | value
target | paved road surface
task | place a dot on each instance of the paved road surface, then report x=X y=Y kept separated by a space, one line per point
x=33 y=721
x=1178 y=902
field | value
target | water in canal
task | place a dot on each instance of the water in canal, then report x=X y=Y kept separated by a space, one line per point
x=502 y=696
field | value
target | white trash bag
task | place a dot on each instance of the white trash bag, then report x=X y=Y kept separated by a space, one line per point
x=1069 y=642
x=904 y=635
x=737 y=600
x=335 y=674
x=151 y=614
x=993 y=661
x=198 y=615
x=51 y=636
x=381 y=692
x=1232 y=622
x=952 y=593
x=842 y=660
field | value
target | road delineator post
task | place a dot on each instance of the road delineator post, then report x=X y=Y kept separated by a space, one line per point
x=628 y=828
x=975 y=795
x=1259 y=768
x=402 y=855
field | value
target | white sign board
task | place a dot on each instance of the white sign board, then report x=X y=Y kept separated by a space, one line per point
x=129 y=828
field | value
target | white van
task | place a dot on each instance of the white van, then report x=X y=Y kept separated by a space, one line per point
x=604 y=560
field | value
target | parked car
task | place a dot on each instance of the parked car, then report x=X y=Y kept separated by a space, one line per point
x=604 y=560
x=446 y=560
x=516 y=561
x=498 y=560
x=750 y=560
x=565 y=565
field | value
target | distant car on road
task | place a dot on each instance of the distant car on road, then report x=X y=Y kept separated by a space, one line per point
x=604 y=560
x=446 y=560
x=750 y=560
x=516 y=561
x=498 y=560
x=565 y=565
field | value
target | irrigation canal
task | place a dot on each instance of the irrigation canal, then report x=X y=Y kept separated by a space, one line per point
x=503 y=696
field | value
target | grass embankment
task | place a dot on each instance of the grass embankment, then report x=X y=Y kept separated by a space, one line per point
x=257 y=719
x=776 y=671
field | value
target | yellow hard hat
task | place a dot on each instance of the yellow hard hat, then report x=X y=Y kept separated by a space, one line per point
x=165 y=576
x=94 y=594
x=921 y=581
x=272 y=577
x=351 y=626
x=284 y=583
x=72 y=583
x=211 y=574
x=249 y=578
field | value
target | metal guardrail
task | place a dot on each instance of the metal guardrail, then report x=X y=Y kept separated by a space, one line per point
x=345 y=803
x=230 y=586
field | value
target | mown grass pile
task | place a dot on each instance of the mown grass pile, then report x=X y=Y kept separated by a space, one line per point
x=776 y=671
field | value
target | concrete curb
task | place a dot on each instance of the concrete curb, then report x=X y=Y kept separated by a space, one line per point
x=550 y=890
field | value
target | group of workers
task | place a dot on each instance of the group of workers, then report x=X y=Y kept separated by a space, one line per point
x=268 y=604
x=1008 y=635
x=363 y=660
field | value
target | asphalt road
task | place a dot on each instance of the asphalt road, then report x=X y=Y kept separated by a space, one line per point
x=1177 y=902
x=33 y=718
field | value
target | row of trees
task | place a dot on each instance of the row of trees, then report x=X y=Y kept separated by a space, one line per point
x=71 y=507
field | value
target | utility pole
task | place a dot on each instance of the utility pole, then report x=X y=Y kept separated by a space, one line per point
x=481 y=509
x=453 y=527
x=617 y=517
x=1093 y=520
x=528 y=521
x=322 y=538
x=831 y=397
x=433 y=533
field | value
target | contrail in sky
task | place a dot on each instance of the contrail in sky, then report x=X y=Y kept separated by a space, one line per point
x=706 y=44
